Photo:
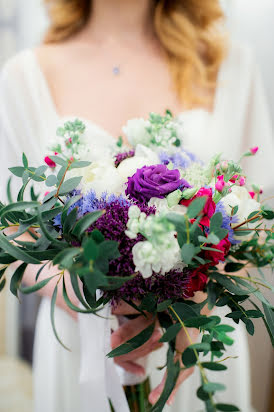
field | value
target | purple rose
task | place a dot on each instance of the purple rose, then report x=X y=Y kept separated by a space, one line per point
x=154 y=181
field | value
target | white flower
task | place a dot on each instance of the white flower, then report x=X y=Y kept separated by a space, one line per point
x=163 y=208
x=101 y=176
x=143 y=157
x=240 y=197
x=135 y=131
x=160 y=258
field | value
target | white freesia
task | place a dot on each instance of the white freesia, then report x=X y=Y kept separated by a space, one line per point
x=143 y=157
x=136 y=131
x=160 y=258
x=240 y=197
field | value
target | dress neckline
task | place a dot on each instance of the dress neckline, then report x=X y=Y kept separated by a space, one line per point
x=48 y=93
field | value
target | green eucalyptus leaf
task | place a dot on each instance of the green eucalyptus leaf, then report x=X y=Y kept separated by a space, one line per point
x=79 y=164
x=196 y=206
x=51 y=180
x=173 y=370
x=211 y=387
x=17 y=278
x=69 y=185
x=52 y=310
x=36 y=286
x=214 y=366
x=171 y=333
x=17 y=171
x=66 y=257
x=58 y=160
x=85 y=222
x=189 y=358
x=133 y=343
x=187 y=252
x=234 y=266
x=226 y=407
x=18 y=206
x=16 y=252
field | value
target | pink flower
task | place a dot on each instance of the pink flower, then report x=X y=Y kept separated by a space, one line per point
x=233 y=179
x=46 y=193
x=254 y=150
x=242 y=181
x=49 y=162
x=72 y=159
x=209 y=207
x=220 y=184
x=252 y=194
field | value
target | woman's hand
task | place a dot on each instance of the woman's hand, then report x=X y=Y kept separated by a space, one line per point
x=128 y=330
x=182 y=342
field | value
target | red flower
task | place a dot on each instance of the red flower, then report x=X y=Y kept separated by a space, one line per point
x=209 y=208
x=222 y=250
x=197 y=282
x=49 y=162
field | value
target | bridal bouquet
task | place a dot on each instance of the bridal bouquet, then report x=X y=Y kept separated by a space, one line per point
x=149 y=225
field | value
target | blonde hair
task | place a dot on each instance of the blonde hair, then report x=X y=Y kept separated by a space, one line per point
x=188 y=30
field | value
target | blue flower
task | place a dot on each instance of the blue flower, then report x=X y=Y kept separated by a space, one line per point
x=227 y=220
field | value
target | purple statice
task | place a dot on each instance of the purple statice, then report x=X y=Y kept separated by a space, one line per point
x=227 y=220
x=173 y=285
x=122 y=156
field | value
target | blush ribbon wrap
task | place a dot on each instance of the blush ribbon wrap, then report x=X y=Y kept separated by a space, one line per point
x=99 y=380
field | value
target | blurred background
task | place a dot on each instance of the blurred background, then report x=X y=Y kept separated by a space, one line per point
x=22 y=24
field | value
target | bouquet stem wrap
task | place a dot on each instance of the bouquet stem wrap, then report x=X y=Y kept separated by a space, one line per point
x=99 y=380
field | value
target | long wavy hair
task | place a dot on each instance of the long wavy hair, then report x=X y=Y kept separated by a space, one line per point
x=190 y=32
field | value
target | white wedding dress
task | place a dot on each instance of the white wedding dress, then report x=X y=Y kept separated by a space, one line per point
x=29 y=120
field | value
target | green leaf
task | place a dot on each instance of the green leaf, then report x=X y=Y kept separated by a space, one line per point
x=70 y=220
x=79 y=164
x=85 y=222
x=2 y=284
x=51 y=180
x=214 y=366
x=25 y=161
x=95 y=280
x=59 y=160
x=201 y=346
x=197 y=322
x=189 y=358
x=17 y=171
x=17 y=278
x=76 y=289
x=187 y=252
x=36 y=286
x=254 y=314
x=115 y=282
x=16 y=252
x=171 y=333
x=184 y=311
x=226 y=407
x=70 y=203
x=211 y=387
x=52 y=308
x=234 y=267
x=249 y=326
x=133 y=343
x=161 y=307
x=9 y=195
x=173 y=370
x=18 y=206
x=227 y=283
x=269 y=317
x=216 y=222
x=66 y=257
x=69 y=185
x=40 y=170
x=201 y=394
x=196 y=206
x=90 y=249
x=71 y=305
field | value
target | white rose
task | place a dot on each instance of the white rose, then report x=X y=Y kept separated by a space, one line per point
x=135 y=131
x=143 y=157
x=240 y=197
x=102 y=177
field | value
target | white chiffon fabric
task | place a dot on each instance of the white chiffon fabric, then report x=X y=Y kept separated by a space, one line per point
x=28 y=120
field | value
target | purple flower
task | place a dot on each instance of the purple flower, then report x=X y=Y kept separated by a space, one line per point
x=153 y=181
x=120 y=157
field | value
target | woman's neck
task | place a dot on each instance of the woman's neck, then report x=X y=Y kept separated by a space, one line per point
x=120 y=20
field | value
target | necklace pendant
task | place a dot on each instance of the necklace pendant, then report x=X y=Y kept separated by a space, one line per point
x=116 y=70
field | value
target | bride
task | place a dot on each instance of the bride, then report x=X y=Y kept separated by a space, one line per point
x=106 y=62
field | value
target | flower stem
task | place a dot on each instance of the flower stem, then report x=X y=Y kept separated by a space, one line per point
x=202 y=370
x=248 y=220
